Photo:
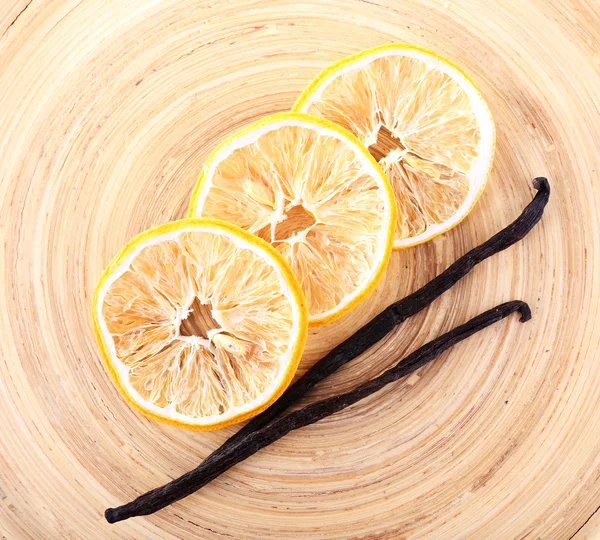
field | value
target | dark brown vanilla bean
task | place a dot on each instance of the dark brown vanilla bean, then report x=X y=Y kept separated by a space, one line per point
x=383 y=323
x=189 y=483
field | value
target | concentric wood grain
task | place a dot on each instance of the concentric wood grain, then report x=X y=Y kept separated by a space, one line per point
x=108 y=109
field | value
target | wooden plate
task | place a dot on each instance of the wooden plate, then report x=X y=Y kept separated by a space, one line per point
x=108 y=109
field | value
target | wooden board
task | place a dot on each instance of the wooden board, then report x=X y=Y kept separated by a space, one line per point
x=108 y=109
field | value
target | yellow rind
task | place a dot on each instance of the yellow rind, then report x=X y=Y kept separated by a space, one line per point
x=290 y=280
x=329 y=71
x=385 y=182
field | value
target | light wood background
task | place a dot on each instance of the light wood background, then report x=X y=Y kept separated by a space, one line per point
x=108 y=109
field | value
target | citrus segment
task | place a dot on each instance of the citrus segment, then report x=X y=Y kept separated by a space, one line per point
x=314 y=192
x=201 y=324
x=424 y=121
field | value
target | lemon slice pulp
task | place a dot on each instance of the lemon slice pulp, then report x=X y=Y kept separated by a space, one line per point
x=200 y=323
x=425 y=122
x=312 y=190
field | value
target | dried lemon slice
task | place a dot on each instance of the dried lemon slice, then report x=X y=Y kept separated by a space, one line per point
x=314 y=192
x=425 y=122
x=200 y=323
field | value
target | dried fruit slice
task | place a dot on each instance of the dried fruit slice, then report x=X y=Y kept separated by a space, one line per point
x=200 y=323
x=425 y=122
x=312 y=190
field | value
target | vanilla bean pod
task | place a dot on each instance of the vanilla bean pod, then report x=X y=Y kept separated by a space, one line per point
x=189 y=483
x=383 y=323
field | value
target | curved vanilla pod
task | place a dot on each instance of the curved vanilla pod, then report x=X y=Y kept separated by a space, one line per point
x=189 y=483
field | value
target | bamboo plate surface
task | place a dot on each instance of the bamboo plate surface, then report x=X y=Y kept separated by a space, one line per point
x=108 y=109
